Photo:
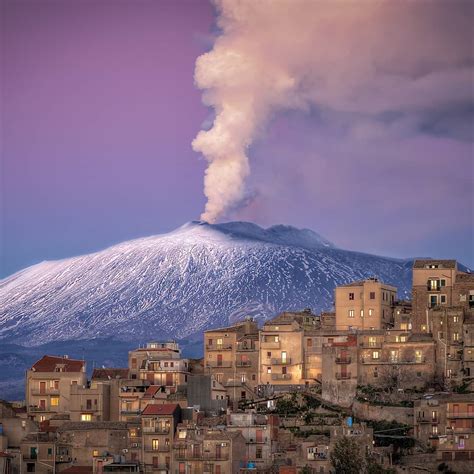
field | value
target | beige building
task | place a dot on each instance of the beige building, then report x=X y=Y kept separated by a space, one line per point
x=159 y=363
x=364 y=304
x=48 y=386
x=204 y=450
x=398 y=359
x=90 y=402
x=438 y=283
x=159 y=424
x=231 y=354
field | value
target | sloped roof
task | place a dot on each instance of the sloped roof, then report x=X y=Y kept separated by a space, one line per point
x=110 y=373
x=48 y=364
x=421 y=263
x=163 y=409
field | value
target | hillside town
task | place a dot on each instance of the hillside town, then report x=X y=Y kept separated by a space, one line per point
x=373 y=385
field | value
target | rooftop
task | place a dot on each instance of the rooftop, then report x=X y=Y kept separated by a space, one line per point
x=430 y=263
x=164 y=409
x=108 y=374
x=53 y=363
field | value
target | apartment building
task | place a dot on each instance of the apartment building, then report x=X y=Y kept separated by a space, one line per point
x=204 y=450
x=261 y=436
x=159 y=363
x=114 y=377
x=231 y=353
x=339 y=374
x=90 y=402
x=159 y=424
x=364 y=304
x=48 y=386
x=439 y=283
x=396 y=358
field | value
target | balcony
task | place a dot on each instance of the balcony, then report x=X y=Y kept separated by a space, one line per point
x=426 y=419
x=286 y=361
x=45 y=393
x=343 y=360
x=225 y=364
x=343 y=375
x=160 y=467
x=159 y=449
x=243 y=363
x=219 y=347
x=281 y=376
x=393 y=361
x=156 y=429
x=215 y=457
x=270 y=345
x=40 y=409
x=130 y=412
x=372 y=344
x=245 y=347
x=460 y=414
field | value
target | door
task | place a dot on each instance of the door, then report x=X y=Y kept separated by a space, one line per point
x=169 y=380
x=42 y=388
x=259 y=436
x=219 y=360
x=150 y=377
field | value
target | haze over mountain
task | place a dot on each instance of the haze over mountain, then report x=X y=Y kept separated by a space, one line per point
x=179 y=284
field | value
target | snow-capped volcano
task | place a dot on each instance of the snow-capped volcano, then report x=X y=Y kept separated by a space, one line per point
x=178 y=284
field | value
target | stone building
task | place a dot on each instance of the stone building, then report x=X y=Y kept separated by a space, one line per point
x=206 y=450
x=339 y=373
x=438 y=283
x=231 y=353
x=90 y=402
x=113 y=377
x=48 y=385
x=159 y=423
x=396 y=359
x=364 y=304
x=159 y=363
x=261 y=436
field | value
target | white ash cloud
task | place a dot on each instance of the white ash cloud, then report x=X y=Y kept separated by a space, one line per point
x=368 y=58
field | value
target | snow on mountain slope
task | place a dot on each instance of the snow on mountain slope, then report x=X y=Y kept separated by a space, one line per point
x=178 y=284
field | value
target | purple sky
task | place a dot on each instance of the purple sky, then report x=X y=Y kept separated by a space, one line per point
x=99 y=110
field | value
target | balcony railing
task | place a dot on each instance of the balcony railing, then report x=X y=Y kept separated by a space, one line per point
x=130 y=412
x=46 y=392
x=159 y=449
x=41 y=409
x=343 y=375
x=215 y=457
x=270 y=345
x=245 y=347
x=243 y=363
x=219 y=347
x=281 y=376
x=460 y=414
x=393 y=361
x=156 y=429
x=225 y=364
x=343 y=360
x=426 y=419
x=286 y=361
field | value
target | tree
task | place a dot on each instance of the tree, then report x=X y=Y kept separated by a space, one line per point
x=346 y=457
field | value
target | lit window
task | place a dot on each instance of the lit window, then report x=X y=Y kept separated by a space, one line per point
x=418 y=356
x=155 y=444
x=434 y=429
x=182 y=434
x=269 y=370
x=133 y=432
x=394 y=356
x=375 y=355
x=403 y=326
x=371 y=312
x=372 y=341
x=455 y=336
x=361 y=313
x=219 y=341
x=54 y=401
x=86 y=417
x=455 y=319
x=95 y=453
x=351 y=313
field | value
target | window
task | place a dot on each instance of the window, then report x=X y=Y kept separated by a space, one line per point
x=434 y=429
x=155 y=444
x=371 y=312
x=375 y=355
x=442 y=282
x=269 y=370
x=50 y=451
x=54 y=401
x=400 y=338
x=455 y=319
x=433 y=300
x=351 y=313
x=443 y=299
x=86 y=417
x=42 y=418
x=219 y=341
x=418 y=356
x=95 y=453
x=372 y=295
x=403 y=326
x=269 y=354
x=434 y=415
x=455 y=336
x=133 y=433
x=258 y=452
x=361 y=313
x=88 y=404
x=394 y=356
x=351 y=296
x=283 y=370
x=372 y=341
x=182 y=434
x=433 y=285
x=209 y=342
x=376 y=372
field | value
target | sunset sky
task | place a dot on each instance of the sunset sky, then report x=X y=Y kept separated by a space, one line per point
x=100 y=107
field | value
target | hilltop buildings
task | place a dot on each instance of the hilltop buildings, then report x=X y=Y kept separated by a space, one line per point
x=275 y=398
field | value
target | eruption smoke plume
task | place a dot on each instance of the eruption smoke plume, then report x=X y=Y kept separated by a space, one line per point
x=369 y=58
